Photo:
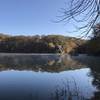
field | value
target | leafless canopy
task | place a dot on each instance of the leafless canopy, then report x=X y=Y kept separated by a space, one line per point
x=83 y=11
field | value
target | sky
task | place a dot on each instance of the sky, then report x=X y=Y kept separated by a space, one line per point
x=32 y=17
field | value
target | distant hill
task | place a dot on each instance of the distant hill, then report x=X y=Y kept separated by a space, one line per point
x=40 y=44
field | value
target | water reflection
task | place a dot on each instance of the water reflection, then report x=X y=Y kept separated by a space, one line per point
x=94 y=64
x=24 y=85
x=50 y=63
x=49 y=77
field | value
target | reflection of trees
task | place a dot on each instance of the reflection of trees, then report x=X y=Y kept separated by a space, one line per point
x=56 y=63
x=96 y=83
x=67 y=92
x=60 y=92
x=94 y=64
x=50 y=63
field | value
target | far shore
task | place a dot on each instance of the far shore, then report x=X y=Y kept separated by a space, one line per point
x=31 y=54
x=4 y=53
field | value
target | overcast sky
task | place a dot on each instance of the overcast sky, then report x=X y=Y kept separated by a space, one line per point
x=31 y=17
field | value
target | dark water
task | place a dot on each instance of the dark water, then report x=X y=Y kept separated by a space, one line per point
x=49 y=77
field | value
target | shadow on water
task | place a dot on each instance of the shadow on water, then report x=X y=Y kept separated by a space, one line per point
x=49 y=77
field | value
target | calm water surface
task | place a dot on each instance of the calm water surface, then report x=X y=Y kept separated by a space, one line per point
x=49 y=77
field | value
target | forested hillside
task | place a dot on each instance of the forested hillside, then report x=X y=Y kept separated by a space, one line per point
x=39 y=44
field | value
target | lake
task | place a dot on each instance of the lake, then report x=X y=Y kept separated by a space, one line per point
x=49 y=77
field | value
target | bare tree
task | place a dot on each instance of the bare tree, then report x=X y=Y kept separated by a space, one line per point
x=85 y=12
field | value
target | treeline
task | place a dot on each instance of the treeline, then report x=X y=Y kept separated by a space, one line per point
x=94 y=43
x=39 y=44
x=92 y=46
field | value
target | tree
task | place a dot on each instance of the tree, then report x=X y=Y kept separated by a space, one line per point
x=96 y=31
x=85 y=12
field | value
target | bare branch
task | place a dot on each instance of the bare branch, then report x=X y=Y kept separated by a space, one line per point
x=82 y=11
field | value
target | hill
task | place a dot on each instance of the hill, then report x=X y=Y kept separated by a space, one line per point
x=39 y=44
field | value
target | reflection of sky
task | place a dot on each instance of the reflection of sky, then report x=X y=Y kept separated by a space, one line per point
x=25 y=82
